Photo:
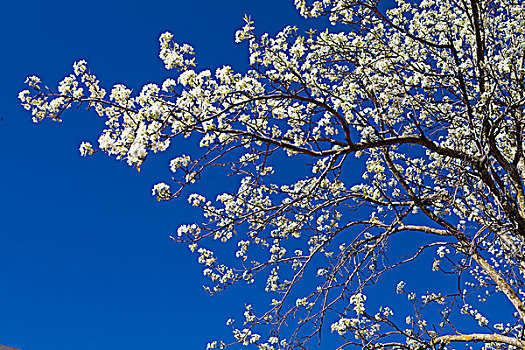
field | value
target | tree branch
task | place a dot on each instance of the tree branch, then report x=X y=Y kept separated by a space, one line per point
x=501 y=283
x=479 y=337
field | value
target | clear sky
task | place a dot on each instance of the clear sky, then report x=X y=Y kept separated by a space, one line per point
x=85 y=256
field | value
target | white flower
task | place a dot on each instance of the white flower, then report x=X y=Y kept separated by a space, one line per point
x=161 y=190
x=172 y=54
x=441 y=251
x=400 y=286
x=86 y=149
x=179 y=162
x=22 y=95
x=80 y=67
x=167 y=84
x=273 y=340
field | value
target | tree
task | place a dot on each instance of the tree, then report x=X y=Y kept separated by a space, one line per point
x=423 y=101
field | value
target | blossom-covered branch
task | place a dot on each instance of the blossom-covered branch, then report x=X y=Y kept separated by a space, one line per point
x=405 y=130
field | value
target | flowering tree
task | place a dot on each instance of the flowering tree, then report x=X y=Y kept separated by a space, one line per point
x=423 y=101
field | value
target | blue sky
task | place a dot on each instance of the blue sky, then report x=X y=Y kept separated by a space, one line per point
x=85 y=256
